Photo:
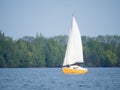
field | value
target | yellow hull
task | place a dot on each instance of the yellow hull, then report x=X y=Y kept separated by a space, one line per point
x=74 y=71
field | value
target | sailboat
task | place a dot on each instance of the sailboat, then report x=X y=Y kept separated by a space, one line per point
x=74 y=52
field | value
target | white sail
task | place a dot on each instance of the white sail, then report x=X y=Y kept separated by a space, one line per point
x=74 y=51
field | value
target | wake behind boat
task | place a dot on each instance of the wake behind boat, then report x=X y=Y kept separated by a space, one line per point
x=74 y=52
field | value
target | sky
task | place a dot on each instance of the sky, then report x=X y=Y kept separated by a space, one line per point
x=20 y=18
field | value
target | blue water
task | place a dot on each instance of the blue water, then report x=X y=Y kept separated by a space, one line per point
x=54 y=79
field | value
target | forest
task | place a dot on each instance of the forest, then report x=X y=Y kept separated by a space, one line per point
x=39 y=51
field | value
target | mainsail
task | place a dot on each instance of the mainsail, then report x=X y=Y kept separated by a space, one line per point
x=74 y=51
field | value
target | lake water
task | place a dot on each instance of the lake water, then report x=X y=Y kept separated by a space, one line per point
x=54 y=79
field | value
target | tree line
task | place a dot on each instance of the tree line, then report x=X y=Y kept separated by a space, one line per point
x=101 y=51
